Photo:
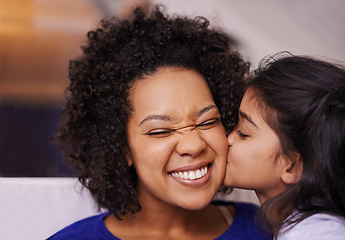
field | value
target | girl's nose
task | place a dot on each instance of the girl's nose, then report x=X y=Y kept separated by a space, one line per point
x=231 y=138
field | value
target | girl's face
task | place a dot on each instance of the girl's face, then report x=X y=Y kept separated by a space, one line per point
x=177 y=143
x=253 y=159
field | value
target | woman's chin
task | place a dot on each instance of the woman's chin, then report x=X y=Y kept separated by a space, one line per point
x=196 y=204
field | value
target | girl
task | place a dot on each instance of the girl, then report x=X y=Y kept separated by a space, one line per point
x=289 y=146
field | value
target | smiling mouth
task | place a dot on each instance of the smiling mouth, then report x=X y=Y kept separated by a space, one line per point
x=192 y=174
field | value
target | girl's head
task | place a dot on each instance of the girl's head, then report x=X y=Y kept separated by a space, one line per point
x=302 y=102
x=103 y=103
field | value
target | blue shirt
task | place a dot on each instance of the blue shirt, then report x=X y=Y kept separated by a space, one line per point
x=243 y=227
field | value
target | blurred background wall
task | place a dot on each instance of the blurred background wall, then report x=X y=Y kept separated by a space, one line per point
x=38 y=37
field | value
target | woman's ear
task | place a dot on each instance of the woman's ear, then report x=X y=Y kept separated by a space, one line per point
x=129 y=159
x=292 y=172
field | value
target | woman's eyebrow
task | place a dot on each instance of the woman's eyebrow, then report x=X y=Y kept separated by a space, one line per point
x=205 y=109
x=245 y=116
x=170 y=119
x=156 y=117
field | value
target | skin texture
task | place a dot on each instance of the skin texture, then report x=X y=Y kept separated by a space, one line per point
x=175 y=126
x=254 y=161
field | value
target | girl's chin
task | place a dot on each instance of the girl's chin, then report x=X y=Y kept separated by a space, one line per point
x=227 y=182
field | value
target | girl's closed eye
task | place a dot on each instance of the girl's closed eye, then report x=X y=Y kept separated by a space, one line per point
x=241 y=134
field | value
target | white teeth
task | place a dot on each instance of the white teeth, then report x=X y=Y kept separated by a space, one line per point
x=191 y=175
x=198 y=174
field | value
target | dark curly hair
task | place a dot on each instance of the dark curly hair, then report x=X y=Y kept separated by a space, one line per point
x=93 y=129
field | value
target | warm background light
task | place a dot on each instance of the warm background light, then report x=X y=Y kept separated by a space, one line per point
x=39 y=37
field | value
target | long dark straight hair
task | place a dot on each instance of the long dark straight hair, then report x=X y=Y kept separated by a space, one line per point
x=304 y=103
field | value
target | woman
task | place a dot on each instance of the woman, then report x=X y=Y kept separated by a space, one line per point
x=143 y=124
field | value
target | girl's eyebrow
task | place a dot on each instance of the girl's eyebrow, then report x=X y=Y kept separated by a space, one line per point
x=170 y=119
x=245 y=116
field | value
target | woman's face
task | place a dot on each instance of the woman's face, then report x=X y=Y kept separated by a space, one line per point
x=177 y=143
x=253 y=161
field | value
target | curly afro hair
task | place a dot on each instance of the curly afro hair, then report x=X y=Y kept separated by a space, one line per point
x=93 y=129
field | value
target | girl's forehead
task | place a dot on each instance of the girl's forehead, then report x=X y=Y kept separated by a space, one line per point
x=252 y=99
x=254 y=104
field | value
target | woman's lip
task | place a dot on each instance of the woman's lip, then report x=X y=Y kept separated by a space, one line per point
x=195 y=182
x=190 y=168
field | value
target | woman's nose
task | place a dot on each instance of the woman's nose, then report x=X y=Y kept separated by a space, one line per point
x=190 y=143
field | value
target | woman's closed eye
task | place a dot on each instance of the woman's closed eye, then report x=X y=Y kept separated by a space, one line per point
x=167 y=132
x=241 y=134
x=160 y=132
x=208 y=124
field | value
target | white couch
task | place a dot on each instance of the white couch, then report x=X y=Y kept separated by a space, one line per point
x=35 y=208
